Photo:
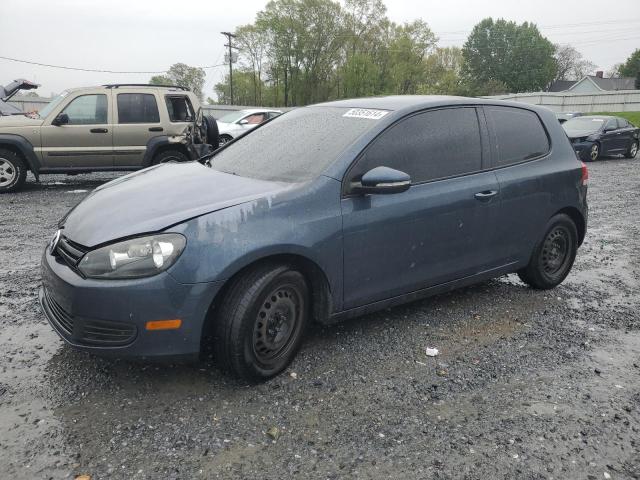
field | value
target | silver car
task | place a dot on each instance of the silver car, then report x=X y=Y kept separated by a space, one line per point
x=236 y=123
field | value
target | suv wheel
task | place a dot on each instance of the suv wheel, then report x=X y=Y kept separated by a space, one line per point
x=13 y=171
x=553 y=256
x=633 y=150
x=261 y=321
x=213 y=137
x=171 y=155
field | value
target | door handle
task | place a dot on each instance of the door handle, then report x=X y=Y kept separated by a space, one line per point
x=485 y=195
x=156 y=129
x=99 y=130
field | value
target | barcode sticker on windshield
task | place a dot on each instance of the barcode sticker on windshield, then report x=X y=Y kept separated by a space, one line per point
x=365 y=113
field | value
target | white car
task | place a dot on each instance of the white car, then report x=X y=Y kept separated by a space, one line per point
x=234 y=124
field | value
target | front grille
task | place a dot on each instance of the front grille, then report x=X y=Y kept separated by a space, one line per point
x=59 y=315
x=86 y=331
x=98 y=332
x=69 y=251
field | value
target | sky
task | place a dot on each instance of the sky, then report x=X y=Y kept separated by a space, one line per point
x=151 y=35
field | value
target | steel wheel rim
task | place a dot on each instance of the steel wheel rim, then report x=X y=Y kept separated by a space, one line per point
x=556 y=250
x=634 y=149
x=594 y=152
x=277 y=323
x=7 y=172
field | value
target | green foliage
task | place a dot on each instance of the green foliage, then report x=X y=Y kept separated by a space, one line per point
x=517 y=56
x=633 y=117
x=183 y=75
x=631 y=67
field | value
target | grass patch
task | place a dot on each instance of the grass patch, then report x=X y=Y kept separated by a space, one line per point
x=633 y=117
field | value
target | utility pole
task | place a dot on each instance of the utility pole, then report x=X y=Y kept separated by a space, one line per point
x=229 y=36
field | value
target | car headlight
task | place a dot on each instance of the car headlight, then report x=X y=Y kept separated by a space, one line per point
x=134 y=258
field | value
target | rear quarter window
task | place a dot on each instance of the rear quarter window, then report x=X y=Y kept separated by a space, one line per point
x=518 y=135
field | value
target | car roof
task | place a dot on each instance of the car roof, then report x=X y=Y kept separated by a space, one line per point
x=258 y=110
x=419 y=102
x=602 y=117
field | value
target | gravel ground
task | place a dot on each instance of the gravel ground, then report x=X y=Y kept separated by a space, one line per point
x=528 y=384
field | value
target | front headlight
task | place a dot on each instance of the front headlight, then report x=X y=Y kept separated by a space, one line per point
x=134 y=258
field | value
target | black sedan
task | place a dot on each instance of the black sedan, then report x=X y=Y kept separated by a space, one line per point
x=598 y=135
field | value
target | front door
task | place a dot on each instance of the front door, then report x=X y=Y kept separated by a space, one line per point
x=137 y=121
x=611 y=138
x=86 y=141
x=439 y=230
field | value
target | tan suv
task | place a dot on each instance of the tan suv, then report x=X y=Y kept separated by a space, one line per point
x=106 y=128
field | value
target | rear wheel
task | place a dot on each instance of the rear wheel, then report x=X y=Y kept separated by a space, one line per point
x=170 y=155
x=553 y=256
x=13 y=171
x=632 y=151
x=261 y=321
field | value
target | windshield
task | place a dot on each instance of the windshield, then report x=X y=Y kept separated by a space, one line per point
x=294 y=147
x=232 y=117
x=583 y=124
x=52 y=104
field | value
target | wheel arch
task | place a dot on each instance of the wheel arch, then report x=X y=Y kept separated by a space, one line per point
x=160 y=144
x=578 y=220
x=22 y=147
x=319 y=286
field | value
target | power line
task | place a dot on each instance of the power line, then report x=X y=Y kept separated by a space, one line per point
x=94 y=70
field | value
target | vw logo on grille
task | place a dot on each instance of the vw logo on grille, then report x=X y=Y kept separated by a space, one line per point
x=54 y=241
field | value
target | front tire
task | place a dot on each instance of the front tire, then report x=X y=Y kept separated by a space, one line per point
x=594 y=153
x=260 y=323
x=553 y=256
x=632 y=151
x=224 y=139
x=13 y=171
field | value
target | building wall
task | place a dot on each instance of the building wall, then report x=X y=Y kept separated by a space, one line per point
x=585 y=86
x=619 y=101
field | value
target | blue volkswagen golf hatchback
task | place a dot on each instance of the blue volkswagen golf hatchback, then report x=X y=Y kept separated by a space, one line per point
x=326 y=212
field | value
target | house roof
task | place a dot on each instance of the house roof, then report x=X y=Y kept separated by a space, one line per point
x=561 y=85
x=608 y=84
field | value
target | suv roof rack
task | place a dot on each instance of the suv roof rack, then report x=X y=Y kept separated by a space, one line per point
x=116 y=85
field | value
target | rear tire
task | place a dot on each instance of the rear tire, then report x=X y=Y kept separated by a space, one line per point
x=261 y=321
x=213 y=136
x=632 y=151
x=553 y=255
x=170 y=155
x=13 y=171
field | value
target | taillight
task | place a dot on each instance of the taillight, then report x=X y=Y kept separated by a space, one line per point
x=585 y=175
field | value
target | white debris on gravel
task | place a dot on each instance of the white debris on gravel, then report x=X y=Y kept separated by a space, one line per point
x=432 y=352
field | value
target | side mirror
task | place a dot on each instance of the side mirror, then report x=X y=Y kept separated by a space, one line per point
x=61 y=119
x=244 y=121
x=382 y=180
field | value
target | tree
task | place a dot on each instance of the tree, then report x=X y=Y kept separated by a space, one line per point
x=570 y=64
x=183 y=75
x=631 y=67
x=516 y=55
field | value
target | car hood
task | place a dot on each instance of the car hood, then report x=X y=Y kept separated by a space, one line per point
x=156 y=198
x=19 y=121
x=225 y=127
x=577 y=133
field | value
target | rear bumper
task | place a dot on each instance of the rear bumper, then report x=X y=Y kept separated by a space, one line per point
x=108 y=317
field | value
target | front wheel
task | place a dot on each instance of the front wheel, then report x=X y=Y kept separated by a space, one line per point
x=224 y=139
x=553 y=256
x=13 y=171
x=594 y=152
x=632 y=151
x=260 y=323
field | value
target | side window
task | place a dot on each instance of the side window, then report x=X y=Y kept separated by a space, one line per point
x=137 y=108
x=87 y=110
x=428 y=146
x=622 y=123
x=518 y=135
x=611 y=124
x=180 y=109
x=256 y=118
